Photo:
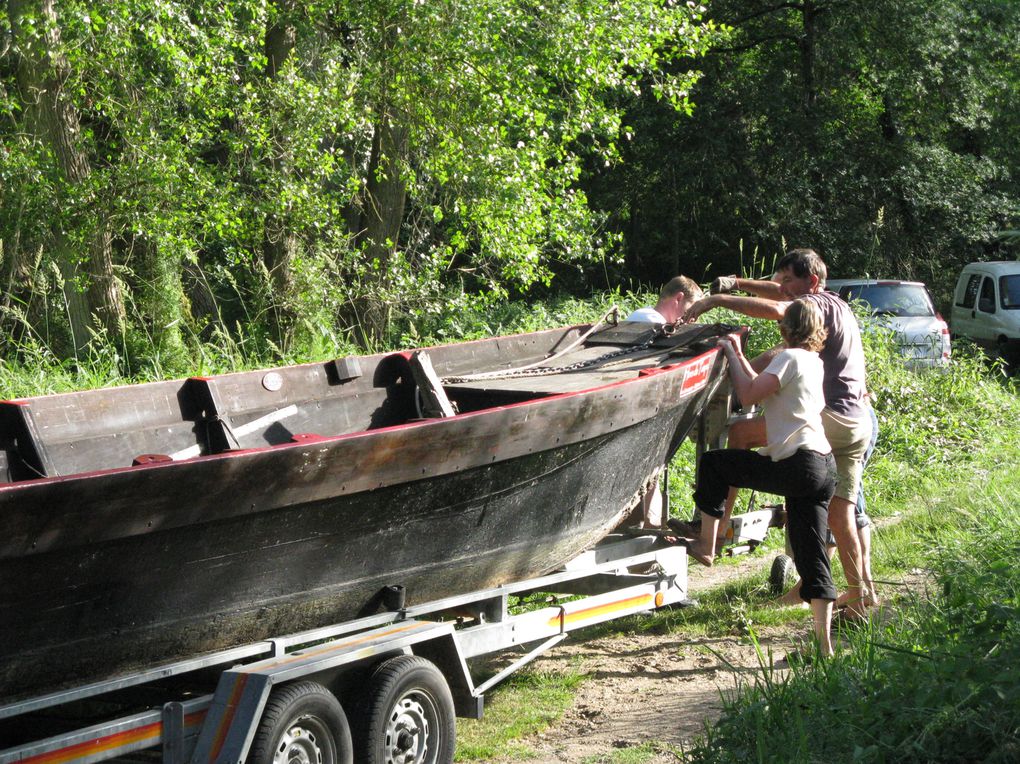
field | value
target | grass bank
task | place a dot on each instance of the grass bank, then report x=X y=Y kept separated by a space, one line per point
x=937 y=681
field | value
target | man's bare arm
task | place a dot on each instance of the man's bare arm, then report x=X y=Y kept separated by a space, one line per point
x=768 y=290
x=753 y=307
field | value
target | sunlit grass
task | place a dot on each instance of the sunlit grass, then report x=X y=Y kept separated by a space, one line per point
x=529 y=702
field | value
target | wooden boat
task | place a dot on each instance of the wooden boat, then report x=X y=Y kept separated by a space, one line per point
x=153 y=522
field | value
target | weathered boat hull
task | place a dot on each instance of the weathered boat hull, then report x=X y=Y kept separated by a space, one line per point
x=111 y=570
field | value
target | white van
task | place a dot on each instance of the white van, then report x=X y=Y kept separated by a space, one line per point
x=986 y=307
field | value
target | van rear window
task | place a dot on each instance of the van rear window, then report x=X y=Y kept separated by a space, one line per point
x=1009 y=291
x=969 y=294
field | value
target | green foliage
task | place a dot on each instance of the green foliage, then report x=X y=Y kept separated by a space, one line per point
x=877 y=134
x=931 y=416
x=243 y=143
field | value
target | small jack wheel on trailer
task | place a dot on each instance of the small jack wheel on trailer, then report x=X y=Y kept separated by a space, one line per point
x=409 y=715
x=783 y=574
x=303 y=723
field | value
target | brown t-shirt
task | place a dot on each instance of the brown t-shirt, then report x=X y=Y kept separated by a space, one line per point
x=843 y=383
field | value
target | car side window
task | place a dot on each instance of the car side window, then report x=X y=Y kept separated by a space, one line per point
x=986 y=302
x=969 y=293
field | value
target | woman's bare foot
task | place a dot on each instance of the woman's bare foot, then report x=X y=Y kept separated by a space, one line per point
x=791 y=599
x=701 y=552
x=870 y=599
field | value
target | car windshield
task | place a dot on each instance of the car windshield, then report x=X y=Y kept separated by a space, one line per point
x=906 y=300
x=1009 y=288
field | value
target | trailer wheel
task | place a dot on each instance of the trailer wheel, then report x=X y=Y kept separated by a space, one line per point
x=408 y=714
x=782 y=575
x=302 y=723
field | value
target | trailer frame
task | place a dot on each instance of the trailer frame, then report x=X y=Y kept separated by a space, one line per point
x=219 y=727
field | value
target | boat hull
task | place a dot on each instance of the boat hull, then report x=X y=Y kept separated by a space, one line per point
x=109 y=572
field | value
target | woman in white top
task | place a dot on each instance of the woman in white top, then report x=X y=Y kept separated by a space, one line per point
x=796 y=463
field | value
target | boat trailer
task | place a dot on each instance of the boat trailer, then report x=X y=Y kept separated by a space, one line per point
x=381 y=688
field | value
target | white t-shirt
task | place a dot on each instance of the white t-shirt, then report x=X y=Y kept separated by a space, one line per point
x=648 y=315
x=793 y=414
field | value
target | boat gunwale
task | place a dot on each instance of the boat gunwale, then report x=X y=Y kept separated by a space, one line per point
x=639 y=376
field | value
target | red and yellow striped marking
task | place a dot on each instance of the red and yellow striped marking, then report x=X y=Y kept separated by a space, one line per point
x=225 y=721
x=595 y=611
x=241 y=678
x=147 y=735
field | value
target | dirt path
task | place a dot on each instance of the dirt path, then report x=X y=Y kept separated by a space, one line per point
x=647 y=688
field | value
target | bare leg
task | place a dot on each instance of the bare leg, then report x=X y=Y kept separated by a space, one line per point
x=744 y=433
x=821 y=611
x=651 y=506
x=792 y=597
x=864 y=536
x=844 y=529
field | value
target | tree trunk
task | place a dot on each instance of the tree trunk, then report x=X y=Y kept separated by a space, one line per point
x=280 y=243
x=42 y=72
x=807 y=57
x=161 y=292
x=382 y=215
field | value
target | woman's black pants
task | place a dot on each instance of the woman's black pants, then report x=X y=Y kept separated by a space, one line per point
x=806 y=480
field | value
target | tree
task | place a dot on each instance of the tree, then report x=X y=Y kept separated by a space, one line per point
x=314 y=163
x=875 y=132
x=89 y=285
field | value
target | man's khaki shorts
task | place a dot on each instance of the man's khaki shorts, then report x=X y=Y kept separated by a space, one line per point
x=848 y=437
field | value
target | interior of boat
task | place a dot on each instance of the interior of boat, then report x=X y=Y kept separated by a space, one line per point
x=138 y=425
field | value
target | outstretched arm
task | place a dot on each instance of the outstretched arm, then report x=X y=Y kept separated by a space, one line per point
x=768 y=290
x=754 y=307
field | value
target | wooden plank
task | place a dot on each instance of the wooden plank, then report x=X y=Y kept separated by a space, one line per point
x=434 y=400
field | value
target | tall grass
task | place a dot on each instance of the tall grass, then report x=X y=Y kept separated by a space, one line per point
x=936 y=682
x=30 y=366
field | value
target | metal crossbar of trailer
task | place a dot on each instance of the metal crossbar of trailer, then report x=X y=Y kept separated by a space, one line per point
x=403 y=673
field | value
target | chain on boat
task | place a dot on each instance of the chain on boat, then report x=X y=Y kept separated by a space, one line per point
x=541 y=368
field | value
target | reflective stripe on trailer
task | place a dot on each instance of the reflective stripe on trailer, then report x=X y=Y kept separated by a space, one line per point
x=600 y=612
x=102 y=742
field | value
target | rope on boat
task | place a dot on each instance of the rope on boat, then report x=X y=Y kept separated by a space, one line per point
x=541 y=368
x=537 y=369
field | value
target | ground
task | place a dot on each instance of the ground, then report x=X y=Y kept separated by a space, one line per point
x=646 y=688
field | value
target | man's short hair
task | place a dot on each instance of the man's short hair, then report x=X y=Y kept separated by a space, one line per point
x=679 y=284
x=804 y=263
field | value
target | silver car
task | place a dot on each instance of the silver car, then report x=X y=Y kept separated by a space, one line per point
x=906 y=308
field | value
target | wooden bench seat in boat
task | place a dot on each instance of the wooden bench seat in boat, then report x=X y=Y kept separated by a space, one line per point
x=298 y=404
x=86 y=431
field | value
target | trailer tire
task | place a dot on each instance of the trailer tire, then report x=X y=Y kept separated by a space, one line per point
x=302 y=723
x=408 y=714
x=782 y=575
